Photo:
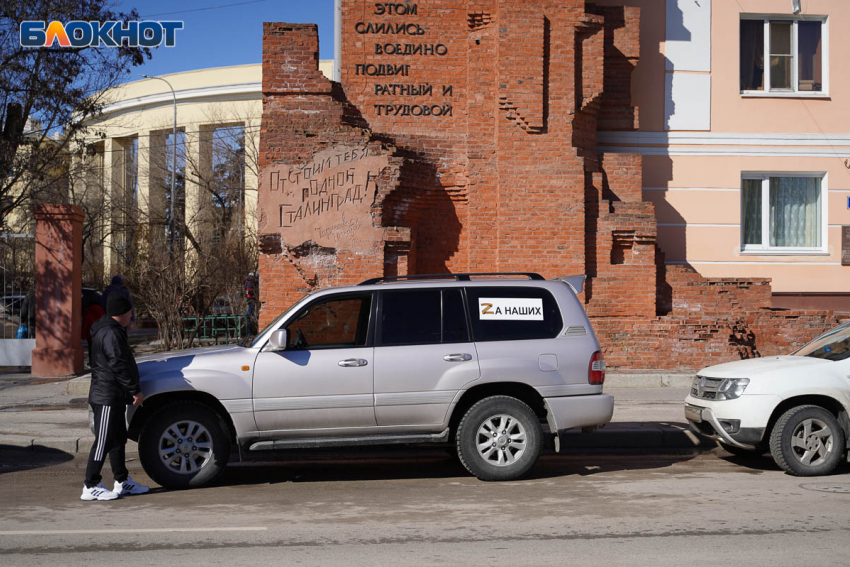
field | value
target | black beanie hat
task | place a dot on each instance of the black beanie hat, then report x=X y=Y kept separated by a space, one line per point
x=117 y=304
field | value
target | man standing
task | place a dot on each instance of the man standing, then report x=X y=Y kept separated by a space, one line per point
x=114 y=384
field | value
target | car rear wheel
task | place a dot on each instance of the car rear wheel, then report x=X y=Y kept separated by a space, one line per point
x=498 y=438
x=184 y=445
x=807 y=441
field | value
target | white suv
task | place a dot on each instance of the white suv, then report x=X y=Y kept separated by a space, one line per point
x=796 y=406
x=485 y=362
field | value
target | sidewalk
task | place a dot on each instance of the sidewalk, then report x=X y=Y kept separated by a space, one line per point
x=38 y=414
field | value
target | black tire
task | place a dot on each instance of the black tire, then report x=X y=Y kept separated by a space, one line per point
x=165 y=470
x=467 y=439
x=787 y=434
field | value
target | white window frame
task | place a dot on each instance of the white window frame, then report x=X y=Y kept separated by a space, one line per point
x=765 y=248
x=793 y=92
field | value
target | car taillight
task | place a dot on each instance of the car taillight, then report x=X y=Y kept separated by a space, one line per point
x=596 y=370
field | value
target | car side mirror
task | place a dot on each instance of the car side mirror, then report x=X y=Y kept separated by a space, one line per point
x=277 y=340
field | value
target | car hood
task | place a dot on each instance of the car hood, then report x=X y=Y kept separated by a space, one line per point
x=171 y=363
x=755 y=366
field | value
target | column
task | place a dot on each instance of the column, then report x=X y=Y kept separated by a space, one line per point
x=144 y=177
x=252 y=180
x=153 y=166
x=113 y=190
x=198 y=178
x=58 y=291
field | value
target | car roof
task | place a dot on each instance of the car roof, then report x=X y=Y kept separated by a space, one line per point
x=462 y=280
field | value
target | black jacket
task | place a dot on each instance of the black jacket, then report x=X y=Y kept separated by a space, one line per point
x=114 y=374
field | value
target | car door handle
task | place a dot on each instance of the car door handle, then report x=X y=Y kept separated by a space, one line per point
x=459 y=357
x=353 y=362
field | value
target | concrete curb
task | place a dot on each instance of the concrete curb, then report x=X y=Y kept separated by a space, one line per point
x=78 y=386
x=647 y=380
x=650 y=435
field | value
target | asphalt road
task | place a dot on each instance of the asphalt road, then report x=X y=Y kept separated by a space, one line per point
x=420 y=508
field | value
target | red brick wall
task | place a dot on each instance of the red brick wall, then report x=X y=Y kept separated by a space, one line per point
x=502 y=165
x=488 y=124
x=303 y=113
x=713 y=320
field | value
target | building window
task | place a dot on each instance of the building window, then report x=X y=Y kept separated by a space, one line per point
x=783 y=213
x=796 y=57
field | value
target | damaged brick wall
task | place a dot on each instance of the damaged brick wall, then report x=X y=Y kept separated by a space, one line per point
x=713 y=320
x=323 y=179
x=469 y=128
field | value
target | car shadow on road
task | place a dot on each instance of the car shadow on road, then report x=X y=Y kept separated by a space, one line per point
x=406 y=464
x=765 y=462
x=15 y=459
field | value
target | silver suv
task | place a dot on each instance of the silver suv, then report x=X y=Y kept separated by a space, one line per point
x=492 y=365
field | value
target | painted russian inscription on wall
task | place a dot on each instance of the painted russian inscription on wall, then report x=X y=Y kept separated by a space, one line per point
x=327 y=201
x=398 y=42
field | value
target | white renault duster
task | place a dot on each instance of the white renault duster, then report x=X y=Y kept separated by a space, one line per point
x=796 y=406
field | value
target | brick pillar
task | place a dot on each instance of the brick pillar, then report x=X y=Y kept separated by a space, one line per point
x=58 y=289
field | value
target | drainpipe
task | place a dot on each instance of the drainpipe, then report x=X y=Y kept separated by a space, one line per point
x=337 y=40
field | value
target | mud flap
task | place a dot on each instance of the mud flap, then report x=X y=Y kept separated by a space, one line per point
x=553 y=427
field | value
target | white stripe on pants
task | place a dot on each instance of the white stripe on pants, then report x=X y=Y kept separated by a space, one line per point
x=103 y=430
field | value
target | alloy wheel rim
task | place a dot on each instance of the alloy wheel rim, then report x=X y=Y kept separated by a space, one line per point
x=501 y=440
x=812 y=442
x=185 y=447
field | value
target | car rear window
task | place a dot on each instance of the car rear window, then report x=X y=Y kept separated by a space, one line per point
x=513 y=313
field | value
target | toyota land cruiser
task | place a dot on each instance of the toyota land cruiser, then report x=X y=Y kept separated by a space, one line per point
x=493 y=364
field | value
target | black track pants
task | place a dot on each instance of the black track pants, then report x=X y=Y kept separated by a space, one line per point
x=110 y=437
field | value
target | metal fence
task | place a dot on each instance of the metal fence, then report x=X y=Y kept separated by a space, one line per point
x=219 y=329
x=17 y=264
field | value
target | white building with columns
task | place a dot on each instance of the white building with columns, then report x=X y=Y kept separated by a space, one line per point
x=130 y=152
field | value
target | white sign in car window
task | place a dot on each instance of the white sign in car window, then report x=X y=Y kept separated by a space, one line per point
x=510 y=309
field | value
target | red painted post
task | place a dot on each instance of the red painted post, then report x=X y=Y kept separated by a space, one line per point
x=58 y=289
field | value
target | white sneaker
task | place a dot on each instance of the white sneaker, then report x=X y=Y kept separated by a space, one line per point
x=98 y=492
x=129 y=486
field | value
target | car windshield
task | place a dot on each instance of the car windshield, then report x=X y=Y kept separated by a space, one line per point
x=263 y=335
x=833 y=345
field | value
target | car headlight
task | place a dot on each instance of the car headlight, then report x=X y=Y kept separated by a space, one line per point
x=731 y=388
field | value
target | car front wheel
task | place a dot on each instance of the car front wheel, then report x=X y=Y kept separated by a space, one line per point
x=184 y=445
x=499 y=438
x=807 y=441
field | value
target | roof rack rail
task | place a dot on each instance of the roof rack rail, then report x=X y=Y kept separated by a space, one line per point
x=457 y=277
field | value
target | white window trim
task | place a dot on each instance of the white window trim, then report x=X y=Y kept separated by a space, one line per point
x=767 y=93
x=764 y=249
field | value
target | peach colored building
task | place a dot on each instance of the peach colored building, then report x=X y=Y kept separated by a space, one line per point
x=744 y=128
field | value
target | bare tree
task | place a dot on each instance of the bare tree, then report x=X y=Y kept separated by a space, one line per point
x=214 y=225
x=48 y=90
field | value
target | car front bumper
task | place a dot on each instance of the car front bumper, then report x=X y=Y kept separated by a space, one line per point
x=703 y=421
x=569 y=412
x=746 y=418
